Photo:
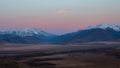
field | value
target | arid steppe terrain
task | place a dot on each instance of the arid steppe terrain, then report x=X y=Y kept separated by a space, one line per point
x=85 y=55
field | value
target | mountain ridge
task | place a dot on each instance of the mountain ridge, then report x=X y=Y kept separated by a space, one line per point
x=101 y=32
x=25 y=32
x=105 y=26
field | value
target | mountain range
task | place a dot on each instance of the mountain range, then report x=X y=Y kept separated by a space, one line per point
x=25 y=36
x=101 y=32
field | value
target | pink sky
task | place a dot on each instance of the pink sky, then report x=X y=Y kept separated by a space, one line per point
x=58 y=16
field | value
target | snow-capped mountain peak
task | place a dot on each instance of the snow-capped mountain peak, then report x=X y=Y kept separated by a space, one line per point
x=25 y=32
x=106 y=26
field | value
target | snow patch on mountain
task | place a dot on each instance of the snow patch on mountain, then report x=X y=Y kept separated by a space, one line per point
x=25 y=32
x=105 y=26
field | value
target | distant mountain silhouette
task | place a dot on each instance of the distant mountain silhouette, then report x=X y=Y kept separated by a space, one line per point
x=102 y=32
x=26 y=36
x=90 y=36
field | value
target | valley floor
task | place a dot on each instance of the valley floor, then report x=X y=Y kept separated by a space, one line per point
x=87 y=55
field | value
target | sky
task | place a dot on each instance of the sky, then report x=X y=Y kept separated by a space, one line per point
x=58 y=16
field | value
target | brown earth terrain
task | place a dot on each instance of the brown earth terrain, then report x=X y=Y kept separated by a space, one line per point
x=85 y=55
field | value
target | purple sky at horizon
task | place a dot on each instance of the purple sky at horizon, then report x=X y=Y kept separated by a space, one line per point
x=58 y=16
